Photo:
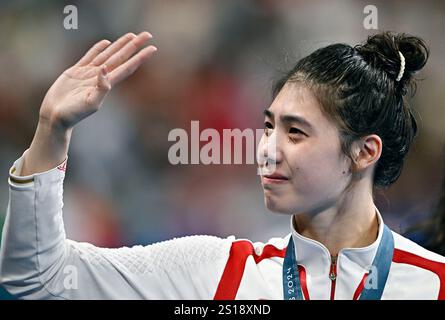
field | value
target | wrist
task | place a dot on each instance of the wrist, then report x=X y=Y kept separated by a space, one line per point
x=52 y=139
x=54 y=128
x=48 y=148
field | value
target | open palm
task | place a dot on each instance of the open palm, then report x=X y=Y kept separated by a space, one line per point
x=81 y=89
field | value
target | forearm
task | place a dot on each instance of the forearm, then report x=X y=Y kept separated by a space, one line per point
x=48 y=149
x=33 y=237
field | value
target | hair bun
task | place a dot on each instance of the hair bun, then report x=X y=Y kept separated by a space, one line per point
x=382 y=52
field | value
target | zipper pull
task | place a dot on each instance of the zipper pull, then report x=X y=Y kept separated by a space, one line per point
x=333 y=276
x=333 y=271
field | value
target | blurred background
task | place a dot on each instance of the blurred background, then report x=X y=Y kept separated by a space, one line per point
x=216 y=63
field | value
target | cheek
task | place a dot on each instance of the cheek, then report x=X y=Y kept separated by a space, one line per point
x=320 y=172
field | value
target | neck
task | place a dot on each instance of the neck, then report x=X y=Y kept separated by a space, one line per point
x=352 y=224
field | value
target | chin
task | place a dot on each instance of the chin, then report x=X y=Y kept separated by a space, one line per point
x=276 y=206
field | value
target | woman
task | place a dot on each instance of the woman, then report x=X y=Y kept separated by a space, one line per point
x=341 y=128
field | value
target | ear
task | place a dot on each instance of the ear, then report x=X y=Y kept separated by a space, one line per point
x=367 y=151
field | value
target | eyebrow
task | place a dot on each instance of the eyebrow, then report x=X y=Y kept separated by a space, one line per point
x=288 y=118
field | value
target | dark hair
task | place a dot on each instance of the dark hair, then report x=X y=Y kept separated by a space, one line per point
x=357 y=88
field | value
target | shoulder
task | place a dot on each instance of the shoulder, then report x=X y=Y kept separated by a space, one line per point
x=255 y=256
x=172 y=254
x=410 y=252
x=422 y=271
x=416 y=273
x=190 y=250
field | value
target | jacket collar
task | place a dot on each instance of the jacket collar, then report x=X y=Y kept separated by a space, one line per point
x=315 y=257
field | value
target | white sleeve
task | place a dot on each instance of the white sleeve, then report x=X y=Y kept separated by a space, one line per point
x=38 y=262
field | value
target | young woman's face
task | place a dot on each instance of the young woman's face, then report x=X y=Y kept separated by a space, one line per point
x=314 y=172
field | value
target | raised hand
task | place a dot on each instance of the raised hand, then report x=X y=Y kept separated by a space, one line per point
x=78 y=93
x=81 y=89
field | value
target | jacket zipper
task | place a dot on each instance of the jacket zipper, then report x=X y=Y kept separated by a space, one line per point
x=333 y=276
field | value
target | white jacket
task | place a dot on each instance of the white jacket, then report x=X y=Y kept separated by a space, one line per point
x=38 y=262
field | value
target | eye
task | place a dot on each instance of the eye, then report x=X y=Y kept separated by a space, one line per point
x=267 y=127
x=294 y=133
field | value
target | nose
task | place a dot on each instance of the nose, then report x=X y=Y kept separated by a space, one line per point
x=269 y=154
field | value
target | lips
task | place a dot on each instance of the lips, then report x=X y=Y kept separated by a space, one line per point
x=274 y=178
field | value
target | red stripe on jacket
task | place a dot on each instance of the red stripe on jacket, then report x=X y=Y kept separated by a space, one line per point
x=241 y=250
x=438 y=268
x=233 y=273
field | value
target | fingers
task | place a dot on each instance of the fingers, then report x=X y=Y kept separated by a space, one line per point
x=114 y=62
x=93 y=52
x=95 y=97
x=126 y=69
x=103 y=82
x=112 y=49
x=127 y=51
